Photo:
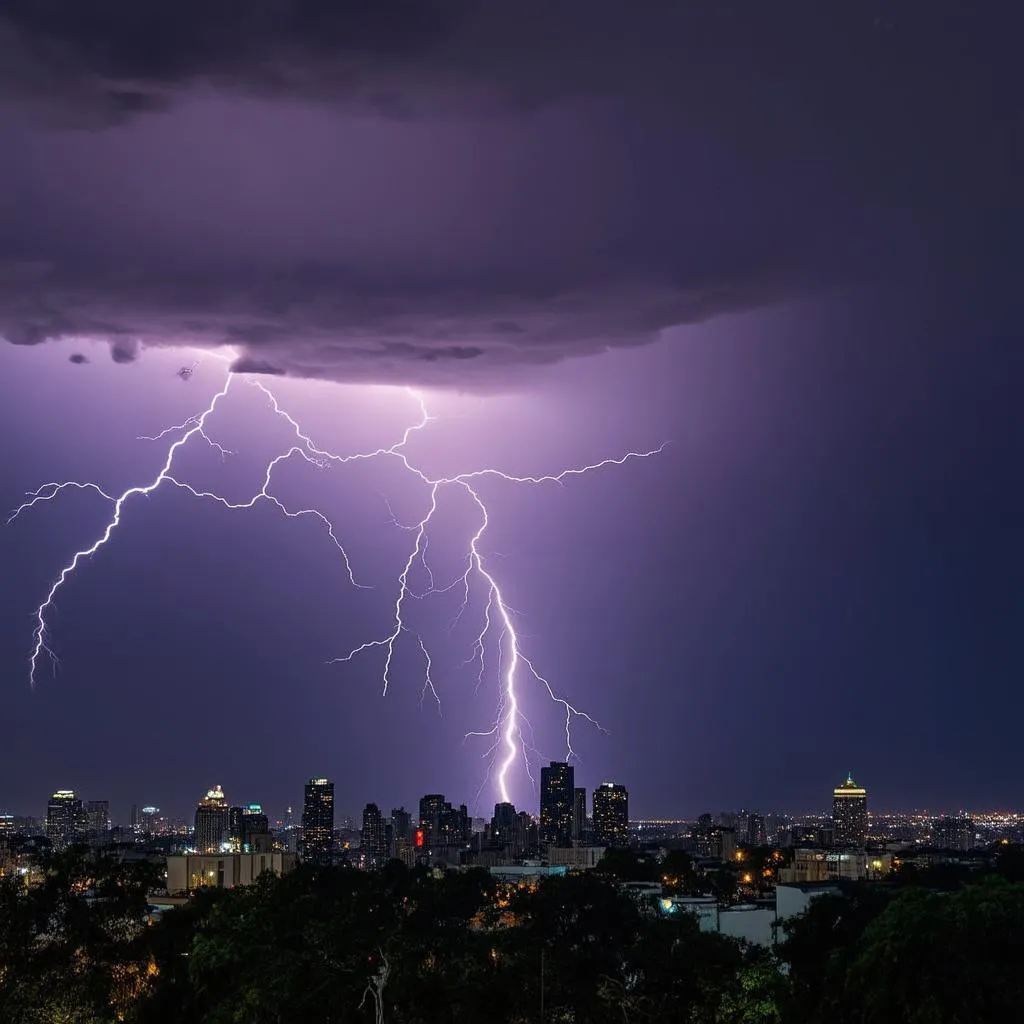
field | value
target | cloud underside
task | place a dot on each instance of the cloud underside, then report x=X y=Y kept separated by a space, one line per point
x=561 y=177
x=471 y=340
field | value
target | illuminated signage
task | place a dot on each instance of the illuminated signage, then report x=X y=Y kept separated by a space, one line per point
x=419 y=838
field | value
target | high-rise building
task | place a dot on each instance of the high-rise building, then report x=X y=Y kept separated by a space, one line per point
x=756 y=833
x=371 y=839
x=212 y=821
x=401 y=824
x=611 y=815
x=64 y=818
x=244 y=824
x=146 y=820
x=503 y=825
x=442 y=824
x=850 y=814
x=527 y=842
x=557 y=786
x=97 y=821
x=713 y=841
x=318 y=821
x=579 y=815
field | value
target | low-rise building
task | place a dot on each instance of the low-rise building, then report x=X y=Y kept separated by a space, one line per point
x=793 y=900
x=579 y=858
x=816 y=865
x=194 y=871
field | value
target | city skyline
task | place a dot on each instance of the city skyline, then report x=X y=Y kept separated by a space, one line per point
x=489 y=261
x=218 y=797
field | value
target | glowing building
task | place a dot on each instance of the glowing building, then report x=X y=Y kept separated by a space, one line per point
x=64 y=818
x=611 y=815
x=318 y=821
x=850 y=814
x=224 y=871
x=212 y=821
x=557 y=799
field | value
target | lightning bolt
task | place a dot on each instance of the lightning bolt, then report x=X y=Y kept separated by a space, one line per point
x=497 y=632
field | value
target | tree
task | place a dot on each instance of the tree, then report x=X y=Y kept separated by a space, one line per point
x=819 y=944
x=932 y=958
x=758 y=994
x=678 y=874
x=627 y=866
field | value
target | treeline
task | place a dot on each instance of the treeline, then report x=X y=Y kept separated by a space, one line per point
x=334 y=945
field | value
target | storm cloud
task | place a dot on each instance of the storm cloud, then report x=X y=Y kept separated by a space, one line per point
x=456 y=193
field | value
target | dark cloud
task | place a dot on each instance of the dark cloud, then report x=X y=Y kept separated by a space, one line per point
x=453 y=190
x=77 y=358
x=329 y=330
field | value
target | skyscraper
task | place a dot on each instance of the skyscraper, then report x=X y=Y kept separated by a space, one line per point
x=579 y=815
x=64 y=818
x=850 y=814
x=372 y=835
x=611 y=815
x=97 y=821
x=557 y=785
x=212 y=821
x=318 y=820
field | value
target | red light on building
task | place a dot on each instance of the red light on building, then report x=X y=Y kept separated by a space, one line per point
x=419 y=838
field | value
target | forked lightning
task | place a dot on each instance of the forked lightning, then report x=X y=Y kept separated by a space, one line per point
x=497 y=633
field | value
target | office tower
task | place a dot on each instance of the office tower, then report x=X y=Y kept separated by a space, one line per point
x=503 y=824
x=244 y=824
x=442 y=824
x=432 y=810
x=371 y=838
x=527 y=842
x=579 y=815
x=850 y=814
x=401 y=823
x=97 y=821
x=611 y=815
x=147 y=820
x=212 y=821
x=318 y=821
x=64 y=818
x=556 y=804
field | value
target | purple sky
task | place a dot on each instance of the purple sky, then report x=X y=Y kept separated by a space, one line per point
x=782 y=240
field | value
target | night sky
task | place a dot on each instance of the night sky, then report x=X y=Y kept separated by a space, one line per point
x=782 y=239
